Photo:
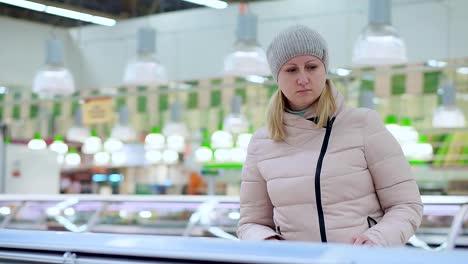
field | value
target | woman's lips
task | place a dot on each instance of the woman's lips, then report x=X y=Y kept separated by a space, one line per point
x=303 y=91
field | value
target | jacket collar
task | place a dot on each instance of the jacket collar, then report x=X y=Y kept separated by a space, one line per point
x=303 y=122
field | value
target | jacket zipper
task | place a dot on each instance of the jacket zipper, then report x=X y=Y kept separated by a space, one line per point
x=371 y=221
x=278 y=230
x=318 y=195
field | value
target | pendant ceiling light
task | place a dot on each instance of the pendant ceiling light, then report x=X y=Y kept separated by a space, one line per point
x=221 y=139
x=379 y=43
x=93 y=144
x=235 y=122
x=448 y=115
x=248 y=58
x=175 y=130
x=122 y=130
x=53 y=79
x=154 y=140
x=59 y=145
x=204 y=153
x=145 y=69
x=37 y=143
x=72 y=158
x=77 y=133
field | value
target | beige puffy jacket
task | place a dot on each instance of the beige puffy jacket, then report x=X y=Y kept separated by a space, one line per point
x=364 y=185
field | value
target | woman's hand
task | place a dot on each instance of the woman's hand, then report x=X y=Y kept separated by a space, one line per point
x=361 y=239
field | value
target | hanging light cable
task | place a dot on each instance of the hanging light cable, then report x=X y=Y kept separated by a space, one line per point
x=248 y=58
x=145 y=69
x=379 y=43
x=54 y=78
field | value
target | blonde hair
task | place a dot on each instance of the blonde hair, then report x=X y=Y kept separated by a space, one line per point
x=326 y=106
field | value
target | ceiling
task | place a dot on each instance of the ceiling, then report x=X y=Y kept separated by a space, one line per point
x=117 y=9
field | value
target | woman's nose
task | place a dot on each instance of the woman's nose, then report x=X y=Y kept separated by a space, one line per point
x=302 y=79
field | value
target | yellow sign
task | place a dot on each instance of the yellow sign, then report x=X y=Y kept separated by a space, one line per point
x=97 y=111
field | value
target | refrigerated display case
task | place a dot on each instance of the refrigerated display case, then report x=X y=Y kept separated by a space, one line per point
x=30 y=246
x=444 y=225
x=445 y=222
x=150 y=215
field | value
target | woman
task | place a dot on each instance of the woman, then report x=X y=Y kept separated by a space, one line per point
x=321 y=170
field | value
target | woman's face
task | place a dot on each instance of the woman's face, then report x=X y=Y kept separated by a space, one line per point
x=302 y=80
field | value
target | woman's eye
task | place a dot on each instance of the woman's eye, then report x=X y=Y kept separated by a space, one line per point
x=291 y=70
x=312 y=67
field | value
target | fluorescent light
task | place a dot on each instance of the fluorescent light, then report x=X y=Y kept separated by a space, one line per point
x=209 y=3
x=61 y=12
x=68 y=13
x=103 y=21
x=25 y=4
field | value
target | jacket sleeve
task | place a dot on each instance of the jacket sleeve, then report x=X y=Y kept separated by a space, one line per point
x=394 y=183
x=256 y=210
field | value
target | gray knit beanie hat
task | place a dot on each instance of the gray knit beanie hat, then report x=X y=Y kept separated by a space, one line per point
x=296 y=41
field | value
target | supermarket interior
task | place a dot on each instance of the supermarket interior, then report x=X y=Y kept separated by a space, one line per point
x=125 y=124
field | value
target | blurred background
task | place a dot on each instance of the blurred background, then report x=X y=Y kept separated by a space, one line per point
x=131 y=101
